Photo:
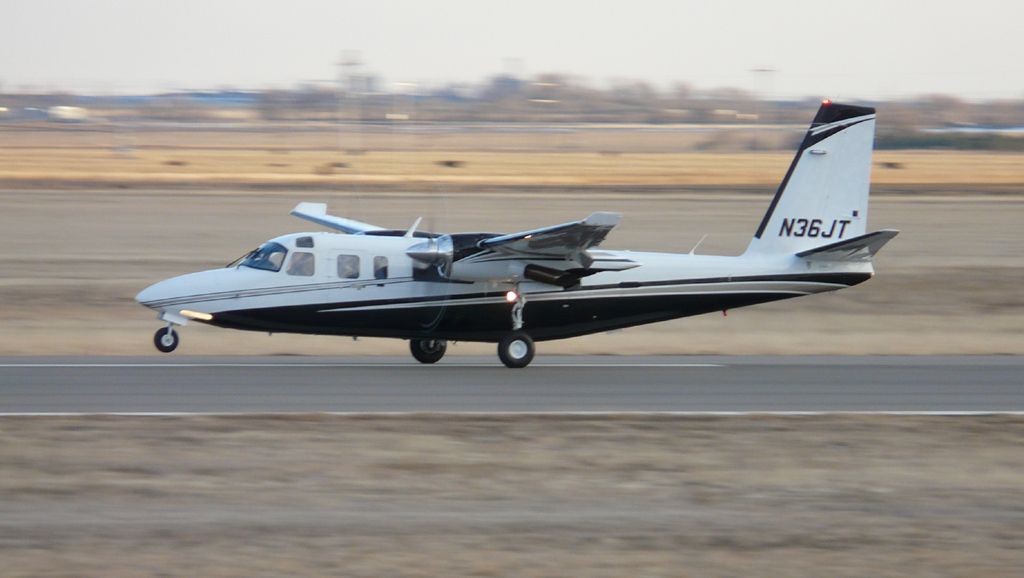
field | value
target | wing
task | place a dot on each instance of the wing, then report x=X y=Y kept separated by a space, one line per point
x=317 y=212
x=559 y=255
x=568 y=241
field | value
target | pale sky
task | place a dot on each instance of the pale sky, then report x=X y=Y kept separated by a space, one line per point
x=842 y=49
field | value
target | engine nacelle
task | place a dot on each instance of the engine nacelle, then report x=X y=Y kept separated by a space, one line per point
x=505 y=271
x=440 y=253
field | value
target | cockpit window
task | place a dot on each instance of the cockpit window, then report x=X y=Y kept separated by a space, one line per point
x=304 y=242
x=268 y=257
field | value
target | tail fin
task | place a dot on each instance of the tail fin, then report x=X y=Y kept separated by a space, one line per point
x=824 y=196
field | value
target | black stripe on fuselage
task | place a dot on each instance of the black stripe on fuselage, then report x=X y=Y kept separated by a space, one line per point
x=544 y=319
x=847 y=279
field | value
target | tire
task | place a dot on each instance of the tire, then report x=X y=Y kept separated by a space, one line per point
x=166 y=339
x=428 y=350
x=516 y=350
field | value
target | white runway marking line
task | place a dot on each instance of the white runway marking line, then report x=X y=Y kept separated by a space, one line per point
x=331 y=365
x=938 y=413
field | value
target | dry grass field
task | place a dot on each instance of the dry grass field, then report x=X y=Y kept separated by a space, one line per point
x=466 y=160
x=476 y=170
x=521 y=496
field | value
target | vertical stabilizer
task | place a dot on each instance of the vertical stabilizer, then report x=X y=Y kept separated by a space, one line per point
x=824 y=196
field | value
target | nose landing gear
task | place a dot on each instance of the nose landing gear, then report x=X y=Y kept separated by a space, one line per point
x=166 y=339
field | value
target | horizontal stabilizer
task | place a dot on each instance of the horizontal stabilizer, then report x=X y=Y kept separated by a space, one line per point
x=317 y=212
x=861 y=248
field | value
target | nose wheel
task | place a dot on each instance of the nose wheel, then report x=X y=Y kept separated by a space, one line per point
x=516 y=349
x=428 y=350
x=166 y=339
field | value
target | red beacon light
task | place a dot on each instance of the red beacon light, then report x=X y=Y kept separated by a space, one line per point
x=826 y=102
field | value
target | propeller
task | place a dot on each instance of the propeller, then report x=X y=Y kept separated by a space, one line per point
x=434 y=252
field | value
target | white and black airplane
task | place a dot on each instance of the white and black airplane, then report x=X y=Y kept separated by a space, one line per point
x=549 y=283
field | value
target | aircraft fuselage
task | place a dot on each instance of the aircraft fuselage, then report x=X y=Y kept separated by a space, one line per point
x=397 y=304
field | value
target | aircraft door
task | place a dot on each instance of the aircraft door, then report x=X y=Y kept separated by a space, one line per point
x=400 y=266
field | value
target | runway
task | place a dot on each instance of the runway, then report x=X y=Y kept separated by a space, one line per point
x=171 y=384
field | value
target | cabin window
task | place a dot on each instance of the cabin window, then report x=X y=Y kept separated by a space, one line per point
x=302 y=264
x=380 y=267
x=304 y=242
x=269 y=257
x=348 y=266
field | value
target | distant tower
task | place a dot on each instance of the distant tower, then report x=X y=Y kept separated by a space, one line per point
x=513 y=67
x=762 y=101
x=349 y=64
x=348 y=71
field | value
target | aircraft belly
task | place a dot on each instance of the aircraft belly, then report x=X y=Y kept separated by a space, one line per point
x=489 y=320
x=466 y=313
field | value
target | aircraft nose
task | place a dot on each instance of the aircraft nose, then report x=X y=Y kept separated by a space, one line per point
x=154 y=292
x=185 y=289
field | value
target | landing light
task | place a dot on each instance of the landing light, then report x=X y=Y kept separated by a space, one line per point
x=511 y=296
x=197 y=315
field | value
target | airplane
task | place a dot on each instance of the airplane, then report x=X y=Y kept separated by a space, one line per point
x=542 y=284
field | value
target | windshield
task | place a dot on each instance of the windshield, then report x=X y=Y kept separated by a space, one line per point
x=268 y=257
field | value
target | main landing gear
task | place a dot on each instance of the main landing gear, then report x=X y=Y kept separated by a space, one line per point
x=166 y=339
x=516 y=349
x=428 y=350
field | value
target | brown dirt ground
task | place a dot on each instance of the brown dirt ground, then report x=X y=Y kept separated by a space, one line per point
x=950 y=283
x=526 y=496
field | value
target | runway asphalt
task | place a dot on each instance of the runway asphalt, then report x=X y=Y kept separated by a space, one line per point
x=171 y=384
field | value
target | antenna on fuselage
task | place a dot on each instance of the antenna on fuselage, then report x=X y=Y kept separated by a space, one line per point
x=698 y=243
x=412 y=229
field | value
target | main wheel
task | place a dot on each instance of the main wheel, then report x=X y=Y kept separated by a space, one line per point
x=516 y=349
x=428 y=350
x=166 y=339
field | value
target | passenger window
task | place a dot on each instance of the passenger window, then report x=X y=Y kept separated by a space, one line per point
x=302 y=264
x=380 y=267
x=348 y=266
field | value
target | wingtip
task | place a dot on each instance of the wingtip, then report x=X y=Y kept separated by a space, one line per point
x=310 y=208
x=603 y=219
